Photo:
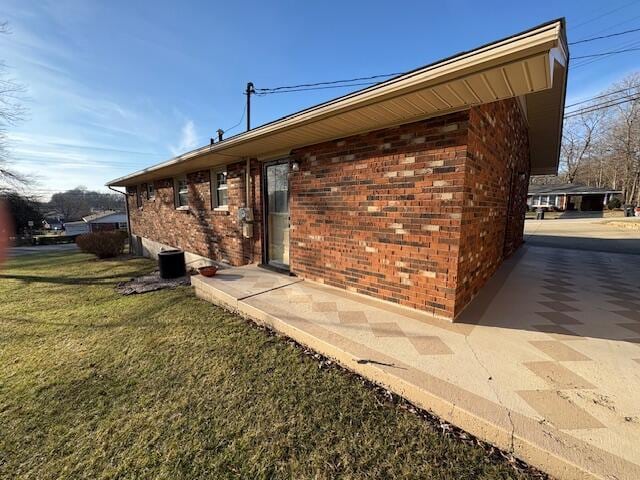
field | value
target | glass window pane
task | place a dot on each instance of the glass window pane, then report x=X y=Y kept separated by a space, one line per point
x=222 y=197
x=183 y=192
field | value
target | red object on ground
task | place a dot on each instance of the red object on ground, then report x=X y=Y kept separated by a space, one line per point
x=209 y=271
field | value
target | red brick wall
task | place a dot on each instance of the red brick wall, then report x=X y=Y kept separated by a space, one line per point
x=415 y=214
x=497 y=176
x=380 y=213
x=201 y=230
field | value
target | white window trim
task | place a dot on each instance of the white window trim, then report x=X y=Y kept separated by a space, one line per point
x=213 y=184
x=176 y=196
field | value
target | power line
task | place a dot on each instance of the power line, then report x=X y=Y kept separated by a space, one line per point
x=331 y=82
x=629 y=44
x=585 y=40
x=601 y=96
x=244 y=112
x=612 y=52
x=589 y=110
x=261 y=94
x=605 y=102
x=597 y=17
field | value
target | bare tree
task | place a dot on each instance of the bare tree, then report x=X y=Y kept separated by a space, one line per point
x=11 y=112
x=623 y=135
x=580 y=135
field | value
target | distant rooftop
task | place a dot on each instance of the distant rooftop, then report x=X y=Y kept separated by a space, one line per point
x=97 y=216
x=568 y=189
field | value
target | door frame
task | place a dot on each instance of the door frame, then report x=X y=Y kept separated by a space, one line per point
x=265 y=214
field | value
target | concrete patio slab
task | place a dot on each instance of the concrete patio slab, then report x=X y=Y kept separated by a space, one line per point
x=557 y=386
x=233 y=284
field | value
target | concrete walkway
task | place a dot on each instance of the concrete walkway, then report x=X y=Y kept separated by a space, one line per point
x=544 y=362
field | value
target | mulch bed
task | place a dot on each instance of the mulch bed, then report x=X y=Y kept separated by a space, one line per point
x=151 y=283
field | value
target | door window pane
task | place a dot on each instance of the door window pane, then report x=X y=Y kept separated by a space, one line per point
x=278 y=214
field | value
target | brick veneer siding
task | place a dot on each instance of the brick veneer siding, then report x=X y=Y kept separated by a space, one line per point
x=380 y=213
x=414 y=214
x=201 y=229
x=495 y=197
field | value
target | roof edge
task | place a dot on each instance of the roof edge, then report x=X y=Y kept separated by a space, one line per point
x=367 y=94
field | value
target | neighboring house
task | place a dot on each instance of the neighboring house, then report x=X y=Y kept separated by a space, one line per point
x=570 y=196
x=412 y=191
x=107 y=220
x=76 y=228
x=52 y=223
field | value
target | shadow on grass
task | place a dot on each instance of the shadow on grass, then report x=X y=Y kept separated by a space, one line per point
x=90 y=280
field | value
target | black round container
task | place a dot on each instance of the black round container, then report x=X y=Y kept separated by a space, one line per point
x=171 y=264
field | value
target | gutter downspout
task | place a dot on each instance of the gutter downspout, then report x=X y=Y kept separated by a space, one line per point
x=126 y=207
x=247 y=200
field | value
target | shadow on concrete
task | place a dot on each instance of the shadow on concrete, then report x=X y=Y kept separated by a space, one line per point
x=611 y=245
x=569 y=214
x=611 y=320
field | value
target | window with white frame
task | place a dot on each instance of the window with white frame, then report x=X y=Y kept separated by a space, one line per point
x=219 y=191
x=151 y=191
x=181 y=189
x=138 y=196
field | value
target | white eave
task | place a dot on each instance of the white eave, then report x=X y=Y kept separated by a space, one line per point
x=531 y=65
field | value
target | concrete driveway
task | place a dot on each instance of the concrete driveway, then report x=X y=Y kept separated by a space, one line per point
x=34 y=249
x=543 y=363
x=594 y=234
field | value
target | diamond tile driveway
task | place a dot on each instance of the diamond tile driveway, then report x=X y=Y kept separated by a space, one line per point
x=545 y=362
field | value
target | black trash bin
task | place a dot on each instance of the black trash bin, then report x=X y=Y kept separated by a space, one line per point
x=540 y=214
x=171 y=264
x=628 y=210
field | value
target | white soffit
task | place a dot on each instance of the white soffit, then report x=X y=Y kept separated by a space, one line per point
x=532 y=65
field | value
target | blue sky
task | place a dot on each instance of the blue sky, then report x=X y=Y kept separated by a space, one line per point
x=114 y=86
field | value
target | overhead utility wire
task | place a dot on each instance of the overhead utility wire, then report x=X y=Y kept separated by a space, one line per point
x=600 y=96
x=244 y=112
x=604 y=102
x=332 y=82
x=585 y=40
x=587 y=110
x=349 y=82
x=588 y=61
x=598 y=17
x=260 y=94
x=612 y=52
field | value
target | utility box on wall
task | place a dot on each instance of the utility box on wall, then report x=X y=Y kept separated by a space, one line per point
x=245 y=215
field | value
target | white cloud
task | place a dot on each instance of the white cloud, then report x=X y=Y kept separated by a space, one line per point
x=188 y=139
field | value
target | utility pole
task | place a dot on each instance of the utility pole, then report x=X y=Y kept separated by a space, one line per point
x=250 y=90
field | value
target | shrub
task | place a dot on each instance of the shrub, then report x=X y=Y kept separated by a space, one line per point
x=102 y=244
x=614 y=203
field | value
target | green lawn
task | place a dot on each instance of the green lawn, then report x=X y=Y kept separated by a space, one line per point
x=163 y=385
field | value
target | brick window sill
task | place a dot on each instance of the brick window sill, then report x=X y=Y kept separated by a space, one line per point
x=221 y=211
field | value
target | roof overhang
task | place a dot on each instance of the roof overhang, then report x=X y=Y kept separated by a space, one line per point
x=532 y=65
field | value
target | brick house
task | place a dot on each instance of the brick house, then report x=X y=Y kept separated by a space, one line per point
x=412 y=191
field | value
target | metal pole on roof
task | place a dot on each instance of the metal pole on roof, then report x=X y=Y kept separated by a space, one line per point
x=248 y=93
